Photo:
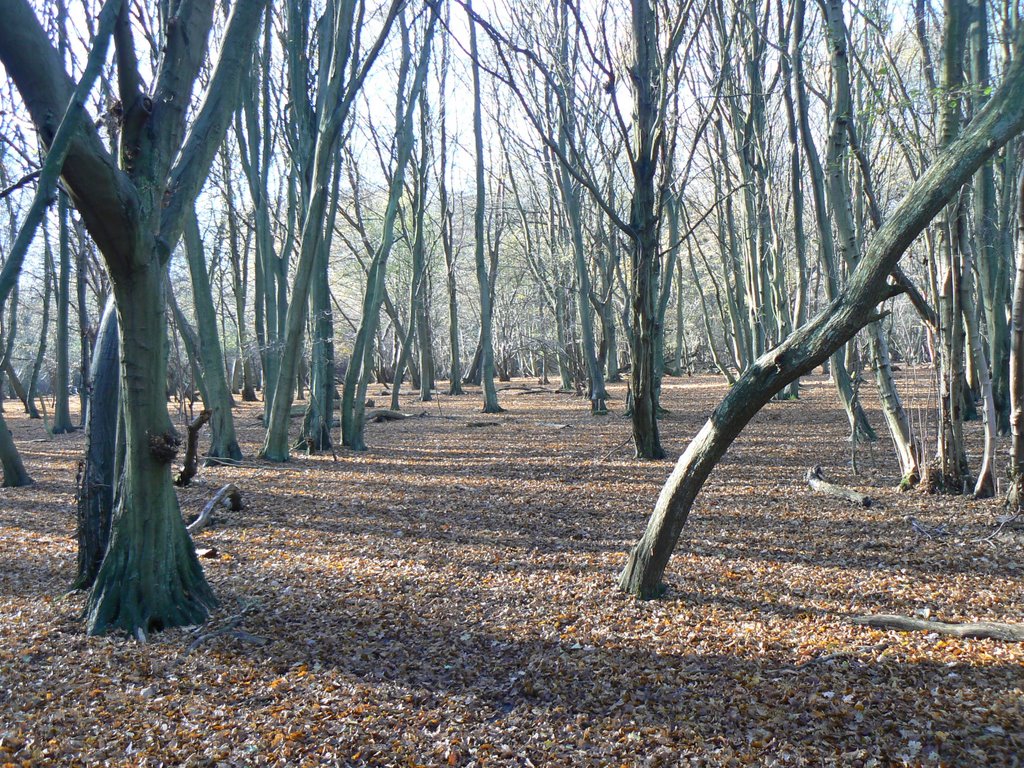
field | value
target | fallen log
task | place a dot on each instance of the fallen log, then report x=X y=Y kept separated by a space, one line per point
x=228 y=493
x=816 y=479
x=384 y=414
x=981 y=630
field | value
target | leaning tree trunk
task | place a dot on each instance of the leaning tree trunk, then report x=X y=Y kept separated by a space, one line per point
x=860 y=428
x=96 y=482
x=841 y=136
x=809 y=346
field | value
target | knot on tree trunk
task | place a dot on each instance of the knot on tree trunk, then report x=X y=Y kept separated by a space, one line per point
x=164 y=447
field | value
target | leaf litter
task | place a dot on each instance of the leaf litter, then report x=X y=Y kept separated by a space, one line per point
x=448 y=598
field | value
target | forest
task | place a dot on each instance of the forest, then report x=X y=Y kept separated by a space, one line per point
x=568 y=382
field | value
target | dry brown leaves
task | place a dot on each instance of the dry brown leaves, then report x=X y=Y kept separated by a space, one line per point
x=447 y=598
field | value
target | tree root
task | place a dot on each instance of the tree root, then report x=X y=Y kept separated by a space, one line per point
x=816 y=479
x=984 y=630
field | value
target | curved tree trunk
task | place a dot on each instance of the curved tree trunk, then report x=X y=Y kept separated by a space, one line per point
x=809 y=346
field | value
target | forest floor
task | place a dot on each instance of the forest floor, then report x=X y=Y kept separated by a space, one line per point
x=448 y=598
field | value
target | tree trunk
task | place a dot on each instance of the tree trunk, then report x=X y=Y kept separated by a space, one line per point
x=217 y=395
x=951 y=472
x=62 y=380
x=482 y=277
x=809 y=346
x=643 y=220
x=150 y=578
x=44 y=329
x=96 y=483
x=1015 y=496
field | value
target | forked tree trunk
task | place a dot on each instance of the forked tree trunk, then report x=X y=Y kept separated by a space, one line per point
x=809 y=346
x=150 y=578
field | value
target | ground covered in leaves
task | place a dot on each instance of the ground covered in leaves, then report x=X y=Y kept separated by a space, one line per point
x=448 y=598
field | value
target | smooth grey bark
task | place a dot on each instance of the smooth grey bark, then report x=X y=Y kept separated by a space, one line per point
x=571 y=193
x=87 y=334
x=447 y=221
x=239 y=256
x=418 y=282
x=842 y=134
x=97 y=480
x=254 y=130
x=993 y=267
x=62 y=423
x=1000 y=120
x=796 y=183
x=985 y=483
x=357 y=377
x=860 y=427
x=44 y=328
x=14 y=473
x=644 y=220
x=190 y=340
x=486 y=349
x=1015 y=493
x=950 y=471
x=346 y=74
x=421 y=299
x=217 y=393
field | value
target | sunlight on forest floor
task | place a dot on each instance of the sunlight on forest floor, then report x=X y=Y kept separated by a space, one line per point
x=448 y=598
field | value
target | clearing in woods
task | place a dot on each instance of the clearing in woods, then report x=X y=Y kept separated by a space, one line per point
x=448 y=598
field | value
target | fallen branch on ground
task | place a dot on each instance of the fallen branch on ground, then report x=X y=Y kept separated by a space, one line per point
x=231 y=629
x=991 y=630
x=621 y=445
x=931 y=531
x=230 y=493
x=816 y=479
x=385 y=414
